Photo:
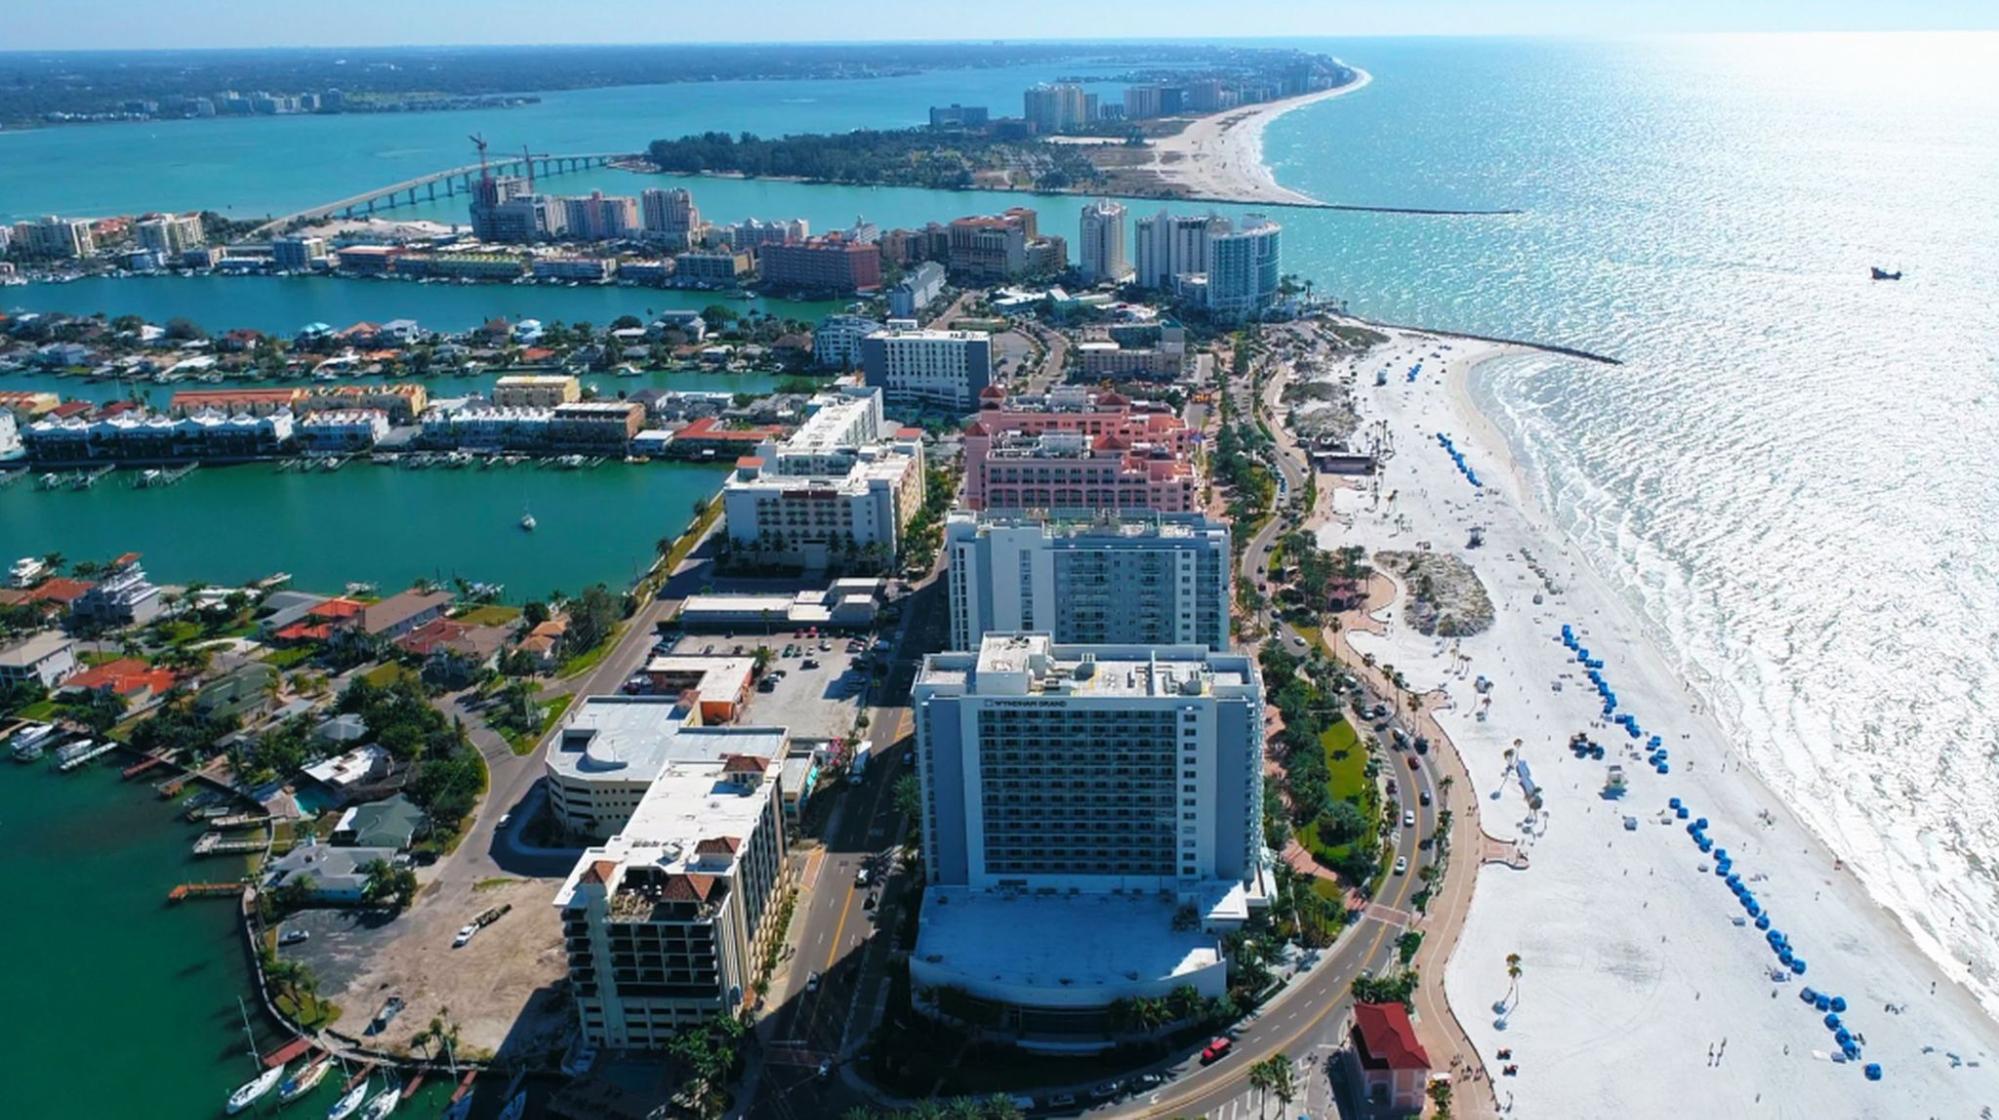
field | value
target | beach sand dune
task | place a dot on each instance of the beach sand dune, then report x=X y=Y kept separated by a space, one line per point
x=1638 y=992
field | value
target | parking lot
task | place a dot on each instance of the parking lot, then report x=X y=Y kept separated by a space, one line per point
x=818 y=688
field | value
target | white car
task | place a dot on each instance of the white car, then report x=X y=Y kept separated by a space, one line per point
x=1401 y=864
x=1409 y=818
x=465 y=937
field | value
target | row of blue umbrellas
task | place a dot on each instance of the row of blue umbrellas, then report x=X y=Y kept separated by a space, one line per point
x=1831 y=1006
x=1457 y=456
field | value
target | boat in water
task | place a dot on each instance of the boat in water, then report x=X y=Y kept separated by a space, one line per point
x=30 y=742
x=527 y=520
x=305 y=1081
x=250 y=1091
x=384 y=1102
x=1883 y=274
x=349 y=1101
x=27 y=572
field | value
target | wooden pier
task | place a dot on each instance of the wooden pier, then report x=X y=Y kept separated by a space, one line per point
x=215 y=844
x=204 y=890
x=98 y=751
x=415 y=1083
x=143 y=765
x=287 y=1052
x=239 y=820
x=359 y=1075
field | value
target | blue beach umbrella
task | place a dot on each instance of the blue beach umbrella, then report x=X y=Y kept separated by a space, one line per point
x=1873 y=1071
x=1807 y=994
x=1839 y=1003
x=1798 y=965
x=1832 y=1021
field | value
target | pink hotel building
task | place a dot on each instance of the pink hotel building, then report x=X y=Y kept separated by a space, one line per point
x=1078 y=451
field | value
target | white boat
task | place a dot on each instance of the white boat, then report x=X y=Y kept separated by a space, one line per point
x=384 y=1102
x=349 y=1101
x=26 y=572
x=250 y=1091
x=305 y=1082
x=527 y=521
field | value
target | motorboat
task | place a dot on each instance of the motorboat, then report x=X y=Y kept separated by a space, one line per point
x=250 y=1091
x=27 y=572
x=349 y=1101
x=527 y=521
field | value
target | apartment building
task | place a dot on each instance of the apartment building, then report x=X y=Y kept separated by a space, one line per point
x=916 y=291
x=59 y=238
x=340 y=430
x=665 y=924
x=1055 y=107
x=298 y=254
x=536 y=390
x=841 y=487
x=170 y=235
x=836 y=341
x=669 y=216
x=601 y=217
x=1100 y=247
x=916 y=368
x=1147 y=580
x=604 y=427
x=834 y=263
x=1092 y=820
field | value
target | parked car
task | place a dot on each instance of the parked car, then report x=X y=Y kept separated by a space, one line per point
x=1217 y=1050
x=465 y=936
x=294 y=936
x=809 y=663
x=812 y=982
x=861 y=878
x=1147 y=1081
x=1062 y=1102
x=1106 y=1091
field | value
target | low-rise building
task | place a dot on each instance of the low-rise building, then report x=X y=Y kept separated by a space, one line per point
x=403 y=401
x=45 y=659
x=536 y=390
x=1385 y=1062
x=717 y=687
x=713 y=267
x=488 y=428
x=342 y=430
x=332 y=875
x=589 y=270
x=342 y=775
x=454 y=652
x=611 y=748
x=123 y=597
x=667 y=923
x=845 y=604
x=604 y=427
x=917 y=290
x=392 y=823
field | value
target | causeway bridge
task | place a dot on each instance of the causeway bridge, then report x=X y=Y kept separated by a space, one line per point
x=447 y=183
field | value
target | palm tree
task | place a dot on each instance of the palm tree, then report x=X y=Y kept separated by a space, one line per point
x=1283 y=1081
x=1513 y=978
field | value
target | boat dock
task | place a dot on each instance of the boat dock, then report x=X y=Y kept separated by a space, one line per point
x=415 y=1083
x=162 y=476
x=143 y=765
x=65 y=765
x=186 y=891
x=283 y=1054
x=359 y=1075
x=464 y=1085
x=217 y=844
x=84 y=480
x=239 y=820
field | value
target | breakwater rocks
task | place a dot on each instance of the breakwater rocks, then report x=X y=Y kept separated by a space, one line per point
x=1446 y=598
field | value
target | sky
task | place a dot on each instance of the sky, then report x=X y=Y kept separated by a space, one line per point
x=136 y=24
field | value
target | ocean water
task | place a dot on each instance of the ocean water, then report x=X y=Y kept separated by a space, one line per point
x=1791 y=475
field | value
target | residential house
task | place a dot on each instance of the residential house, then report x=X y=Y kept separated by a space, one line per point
x=453 y=652
x=44 y=658
x=336 y=875
x=241 y=694
x=392 y=822
x=1387 y=1063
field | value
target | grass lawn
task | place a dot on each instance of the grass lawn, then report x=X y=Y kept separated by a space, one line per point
x=291 y=657
x=523 y=743
x=385 y=674
x=180 y=631
x=490 y=614
x=310 y=1012
x=1346 y=763
x=40 y=710
x=588 y=659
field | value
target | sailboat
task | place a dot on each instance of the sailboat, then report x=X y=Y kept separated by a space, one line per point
x=305 y=1082
x=247 y=1094
x=527 y=520
x=349 y=1101
x=385 y=1102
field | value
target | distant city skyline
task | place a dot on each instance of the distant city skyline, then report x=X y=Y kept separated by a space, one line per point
x=143 y=24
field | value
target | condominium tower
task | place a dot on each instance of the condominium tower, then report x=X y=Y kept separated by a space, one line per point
x=1101 y=244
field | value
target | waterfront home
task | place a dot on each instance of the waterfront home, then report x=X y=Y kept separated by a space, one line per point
x=131 y=679
x=28 y=404
x=544 y=643
x=344 y=776
x=392 y=822
x=319 y=621
x=1386 y=1062
x=336 y=876
x=241 y=694
x=347 y=727
x=282 y=608
x=602 y=427
x=124 y=597
x=342 y=430
x=44 y=658
x=535 y=390
x=242 y=401
x=452 y=652
x=51 y=597
x=141 y=436
x=400 y=613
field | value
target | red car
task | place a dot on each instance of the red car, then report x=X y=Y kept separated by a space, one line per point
x=1412 y=761
x=1217 y=1050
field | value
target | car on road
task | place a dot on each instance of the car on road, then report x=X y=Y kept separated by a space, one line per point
x=1422 y=744
x=1217 y=1050
x=1412 y=761
x=825 y=1070
x=1401 y=865
x=1409 y=818
x=1062 y=1102
x=1423 y=797
x=870 y=902
x=812 y=982
x=1147 y=1081
x=1108 y=1091
x=861 y=877
x=294 y=936
x=465 y=936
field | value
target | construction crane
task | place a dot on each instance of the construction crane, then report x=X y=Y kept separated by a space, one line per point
x=527 y=158
x=479 y=142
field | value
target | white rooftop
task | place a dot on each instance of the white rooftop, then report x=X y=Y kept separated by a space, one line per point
x=636 y=737
x=1068 y=942
x=690 y=801
x=1032 y=664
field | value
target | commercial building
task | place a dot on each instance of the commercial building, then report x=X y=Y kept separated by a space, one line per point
x=669 y=216
x=1092 y=820
x=845 y=604
x=1385 y=1062
x=917 y=368
x=916 y=291
x=1101 y=244
x=536 y=390
x=601 y=217
x=298 y=254
x=612 y=748
x=170 y=235
x=43 y=659
x=1135 y=351
x=59 y=238
x=1056 y=107
x=1075 y=450
x=716 y=687
x=841 y=487
x=667 y=923
x=1145 y=580
x=836 y=341
x=1003 y=246
x=833 y=263
x=367 y=260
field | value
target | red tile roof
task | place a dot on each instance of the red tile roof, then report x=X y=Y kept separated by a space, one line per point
x=336 y=608
x=710 y=428
x=1387 y=1038
x=688 y=888
x=717 y=845
x=744 y=764
x=125 y=676
x=60 y=589
x=600 y=871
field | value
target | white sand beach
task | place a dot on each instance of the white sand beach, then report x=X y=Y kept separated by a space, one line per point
x=1220 y=156
x=1645 y=988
